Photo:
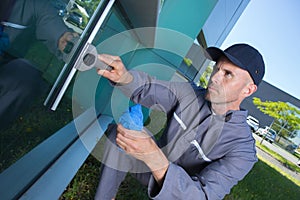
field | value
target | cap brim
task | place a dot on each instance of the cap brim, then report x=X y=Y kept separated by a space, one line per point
x=215 y=53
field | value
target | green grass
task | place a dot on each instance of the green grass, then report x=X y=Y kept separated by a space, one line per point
x=278 y=157
x=263 y=182
x=84 y=184
x=283 y=161
x=30 y=129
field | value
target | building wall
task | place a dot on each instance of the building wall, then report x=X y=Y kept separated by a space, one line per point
x=222 y=19
x=266 y=91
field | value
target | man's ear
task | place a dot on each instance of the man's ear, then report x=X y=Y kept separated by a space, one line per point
x=249 y=89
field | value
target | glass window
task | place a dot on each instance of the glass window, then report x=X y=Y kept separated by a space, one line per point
x=40 y=40
x=47 y=75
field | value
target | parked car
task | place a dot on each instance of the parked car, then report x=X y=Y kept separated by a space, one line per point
x=253 y=123
x=291 y=148
x=268 y=133
x=60 y=6
x=75 y=18
x=62 y=12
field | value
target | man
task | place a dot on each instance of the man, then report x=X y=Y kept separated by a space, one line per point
x=207 y=146
x=24 y=22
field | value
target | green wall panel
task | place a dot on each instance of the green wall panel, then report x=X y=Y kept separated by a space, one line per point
x=185 y=16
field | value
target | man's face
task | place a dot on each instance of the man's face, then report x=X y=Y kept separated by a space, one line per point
x=227 y=84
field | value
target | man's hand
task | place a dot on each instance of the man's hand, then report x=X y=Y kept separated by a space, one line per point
x=63 y=40
x=119 y=73
x=141 y=146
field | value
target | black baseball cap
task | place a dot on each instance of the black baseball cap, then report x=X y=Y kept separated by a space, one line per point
x=244 y=56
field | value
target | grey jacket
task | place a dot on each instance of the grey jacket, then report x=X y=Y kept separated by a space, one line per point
x=208 y=154
x=40 y=21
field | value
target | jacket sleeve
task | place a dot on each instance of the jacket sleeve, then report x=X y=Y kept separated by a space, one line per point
x=213 y=182
x=49 y=26
x=156 y=94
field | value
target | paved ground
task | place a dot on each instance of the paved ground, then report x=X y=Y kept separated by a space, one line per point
x=277 y=163
x=279 y=150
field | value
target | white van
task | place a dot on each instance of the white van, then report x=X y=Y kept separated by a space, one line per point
x=253 y=123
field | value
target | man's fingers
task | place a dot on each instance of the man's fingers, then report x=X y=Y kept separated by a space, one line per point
x=120 y=143
x=105 y=73
x=67 y=36
x=124 y=142
x=109 y=59
x=118 y=74
x=124 y=133
x=75 y=34
x=111 y=75
x=108 y=56
x=132 y=134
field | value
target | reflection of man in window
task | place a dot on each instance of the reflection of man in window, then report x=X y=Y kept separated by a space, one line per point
x=22 y=23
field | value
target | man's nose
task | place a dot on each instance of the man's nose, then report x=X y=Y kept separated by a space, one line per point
x=216 y=77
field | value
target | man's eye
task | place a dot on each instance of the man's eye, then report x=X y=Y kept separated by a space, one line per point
x=228 y=74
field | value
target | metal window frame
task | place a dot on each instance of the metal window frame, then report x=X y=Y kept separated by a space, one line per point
x=66 y=75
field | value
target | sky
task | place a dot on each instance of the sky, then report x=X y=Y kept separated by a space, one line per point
x=273 y=27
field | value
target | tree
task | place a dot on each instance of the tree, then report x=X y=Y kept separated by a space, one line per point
x=203 y=81
x=285 y=114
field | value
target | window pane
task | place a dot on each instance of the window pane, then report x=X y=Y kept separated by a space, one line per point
x=33 y=53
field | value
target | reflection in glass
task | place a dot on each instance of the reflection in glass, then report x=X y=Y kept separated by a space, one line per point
x=35 y=36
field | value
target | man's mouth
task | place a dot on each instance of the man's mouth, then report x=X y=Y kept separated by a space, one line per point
x=212 y=89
